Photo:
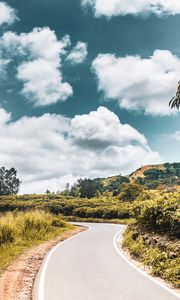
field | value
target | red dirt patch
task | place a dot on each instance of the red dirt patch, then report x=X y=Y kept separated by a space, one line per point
x=17 y=280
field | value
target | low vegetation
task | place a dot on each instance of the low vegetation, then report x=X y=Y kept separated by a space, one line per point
x=159 y=212
x=104 y=207
x=148 y=200
x=153 y=239
x=160 y=254
x=19 y=230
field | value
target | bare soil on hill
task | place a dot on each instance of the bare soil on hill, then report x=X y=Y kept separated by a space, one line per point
x=140 y=172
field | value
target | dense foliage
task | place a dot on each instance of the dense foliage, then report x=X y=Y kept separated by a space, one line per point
x=87 y=188
x=166 y=177
x=161 y=255
x=161 y=212
x=130 y=191
x=162 y=177
x=104 y=207
x=90 y=188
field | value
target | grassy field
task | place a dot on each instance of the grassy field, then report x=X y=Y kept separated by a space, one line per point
x=20 y=230
x=105 y=207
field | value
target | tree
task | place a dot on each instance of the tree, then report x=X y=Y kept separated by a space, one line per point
x=130 y=191
x=175 y=101
x=48 y=192
x=87 y=188
x=9 y=183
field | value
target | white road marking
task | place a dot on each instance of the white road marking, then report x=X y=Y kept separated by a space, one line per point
x=139 y=270
x=46 y=262
x=45 y=265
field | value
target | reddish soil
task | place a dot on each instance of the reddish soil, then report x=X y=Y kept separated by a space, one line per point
x=16 y=282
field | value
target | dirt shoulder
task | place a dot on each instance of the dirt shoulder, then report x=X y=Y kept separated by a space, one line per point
x=16 y=282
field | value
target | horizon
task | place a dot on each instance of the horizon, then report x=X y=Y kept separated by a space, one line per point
x=85 y=90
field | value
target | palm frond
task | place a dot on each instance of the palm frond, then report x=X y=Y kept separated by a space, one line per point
x=175 y=101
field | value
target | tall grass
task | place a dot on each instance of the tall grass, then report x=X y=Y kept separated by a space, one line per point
x=162 y=258
x=21 y=229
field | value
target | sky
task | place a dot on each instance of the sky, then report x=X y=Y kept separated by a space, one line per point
x=85 y=87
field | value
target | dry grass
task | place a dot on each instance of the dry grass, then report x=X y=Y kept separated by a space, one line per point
x=19 y=231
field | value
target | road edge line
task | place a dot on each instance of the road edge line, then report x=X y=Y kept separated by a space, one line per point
x=139 y=270
x=40 y=293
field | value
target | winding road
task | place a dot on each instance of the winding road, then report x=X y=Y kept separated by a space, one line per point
x=89 y=267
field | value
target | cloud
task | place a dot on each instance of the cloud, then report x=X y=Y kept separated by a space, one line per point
x=3 y=67
x=43 y=83
x=103 y=128
x=91 y=145
x=109 y=8
x=141 y=84
x=78 y=53
x=7 y=14
x=40 y=56
x=176 y=136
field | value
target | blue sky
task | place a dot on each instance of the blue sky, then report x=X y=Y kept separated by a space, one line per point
x=85 y=87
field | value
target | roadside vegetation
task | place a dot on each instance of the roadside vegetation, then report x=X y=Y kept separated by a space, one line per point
x=148 y=201
x=20 y=230
x=154 y=237
x=73 y=209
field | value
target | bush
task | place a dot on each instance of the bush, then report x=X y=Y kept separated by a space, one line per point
x=160 y=261
x=35 y=224
x=6 y=234
x=160 y=213
x=58 y=222
x=130 y=191
x=28 y=225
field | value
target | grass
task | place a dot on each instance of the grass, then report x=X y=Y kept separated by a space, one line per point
x=162 y=258
x=98 y=220
x=104 y=208
x=21 y=230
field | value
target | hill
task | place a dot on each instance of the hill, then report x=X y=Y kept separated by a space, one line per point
x=140 y=172
x=160 y=176
x=164 y=176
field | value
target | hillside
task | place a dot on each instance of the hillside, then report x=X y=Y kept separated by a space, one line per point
x=140 y=172
x=160 y=176
x=164 y=176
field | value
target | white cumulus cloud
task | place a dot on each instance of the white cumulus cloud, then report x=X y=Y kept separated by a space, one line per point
x=91 y=145
x=137 y=83
x=176 y=136
x=3 y=67
x=7 y=14
x=40 y=56
x=40 y=70
x=78 y=53
x=109 y=8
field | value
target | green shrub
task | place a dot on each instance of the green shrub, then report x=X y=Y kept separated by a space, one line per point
x=160 y=213
x=130 y=191
x=58 y=222
x=160 y=261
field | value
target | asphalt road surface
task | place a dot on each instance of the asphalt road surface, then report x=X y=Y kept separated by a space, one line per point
x=88 y=267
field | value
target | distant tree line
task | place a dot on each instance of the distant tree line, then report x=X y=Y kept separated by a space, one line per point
x=89 y=188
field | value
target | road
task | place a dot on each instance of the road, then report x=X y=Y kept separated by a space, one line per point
x=88 y=267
